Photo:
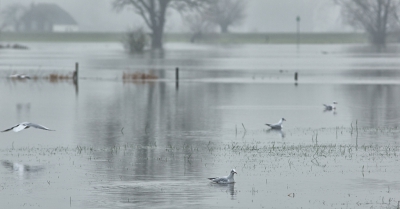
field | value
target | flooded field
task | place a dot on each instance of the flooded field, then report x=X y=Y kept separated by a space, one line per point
x=153 y=144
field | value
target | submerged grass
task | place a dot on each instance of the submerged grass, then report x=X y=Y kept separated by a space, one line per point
x=138 y=76
x=285 y=168
x=310 y=150
x=233 y=148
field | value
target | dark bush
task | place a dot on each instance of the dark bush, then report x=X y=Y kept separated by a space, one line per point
x=135 y=40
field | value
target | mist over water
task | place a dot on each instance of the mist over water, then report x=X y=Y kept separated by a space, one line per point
x=125 y=143
x=261 y=16
x=129 y=135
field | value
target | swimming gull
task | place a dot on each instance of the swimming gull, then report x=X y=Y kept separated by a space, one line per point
x=330 y=107
x=277 y=125
x=225 y=179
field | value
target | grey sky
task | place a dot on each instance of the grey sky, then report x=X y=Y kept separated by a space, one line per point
x=262 y=16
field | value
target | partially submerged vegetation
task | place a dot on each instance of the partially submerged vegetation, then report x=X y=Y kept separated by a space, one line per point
x=235 y=148
x=139 y=76
x=135 y=40
x=55 y=77
x=52 y=77
x=13 y=46
x=279 y=170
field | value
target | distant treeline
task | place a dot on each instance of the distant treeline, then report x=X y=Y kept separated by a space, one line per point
x=229 y=38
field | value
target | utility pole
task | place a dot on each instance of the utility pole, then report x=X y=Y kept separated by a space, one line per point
x=298 y=29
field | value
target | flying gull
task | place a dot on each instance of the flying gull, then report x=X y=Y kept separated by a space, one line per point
x=25 y=125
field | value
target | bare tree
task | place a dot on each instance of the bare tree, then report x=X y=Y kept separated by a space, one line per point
x=198 y=24
x=225 y=13
x=11 y=15
x=376 y=17
x=153 y=12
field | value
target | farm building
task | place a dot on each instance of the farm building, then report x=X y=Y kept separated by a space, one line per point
x=47 y=17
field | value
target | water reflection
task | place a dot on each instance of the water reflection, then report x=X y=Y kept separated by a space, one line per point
x=153 y=116
x=76 y=85
x=327 y=110
x=153 y=194
x=23 y=170
x=278 y=132
x=374 y=50
x=228 y=188
x=169 y=126
x=23 y=109
x=374 y=105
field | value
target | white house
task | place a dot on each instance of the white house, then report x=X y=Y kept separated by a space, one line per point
x=47 y=17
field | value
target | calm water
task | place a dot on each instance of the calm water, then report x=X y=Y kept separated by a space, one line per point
x=125 y=144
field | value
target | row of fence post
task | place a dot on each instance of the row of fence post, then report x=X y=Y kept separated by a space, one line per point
x=75 y=75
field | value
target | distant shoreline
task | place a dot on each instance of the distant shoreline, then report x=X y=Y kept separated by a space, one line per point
x=215 y=38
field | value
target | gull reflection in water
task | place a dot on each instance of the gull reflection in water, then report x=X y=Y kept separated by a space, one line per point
x=22 y=170
x=330 y=110
x=228 y=188
x=278 y=132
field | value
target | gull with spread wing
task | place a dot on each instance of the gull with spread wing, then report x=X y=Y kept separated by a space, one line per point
x=25 y=125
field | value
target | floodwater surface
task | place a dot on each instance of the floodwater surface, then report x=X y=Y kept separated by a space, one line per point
x=152 y=143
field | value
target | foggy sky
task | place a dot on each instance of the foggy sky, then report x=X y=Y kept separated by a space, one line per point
x=262 y=16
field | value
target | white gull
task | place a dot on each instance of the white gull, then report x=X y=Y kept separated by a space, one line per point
x=277 y=125
x=25 y=125
x=225 y=179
